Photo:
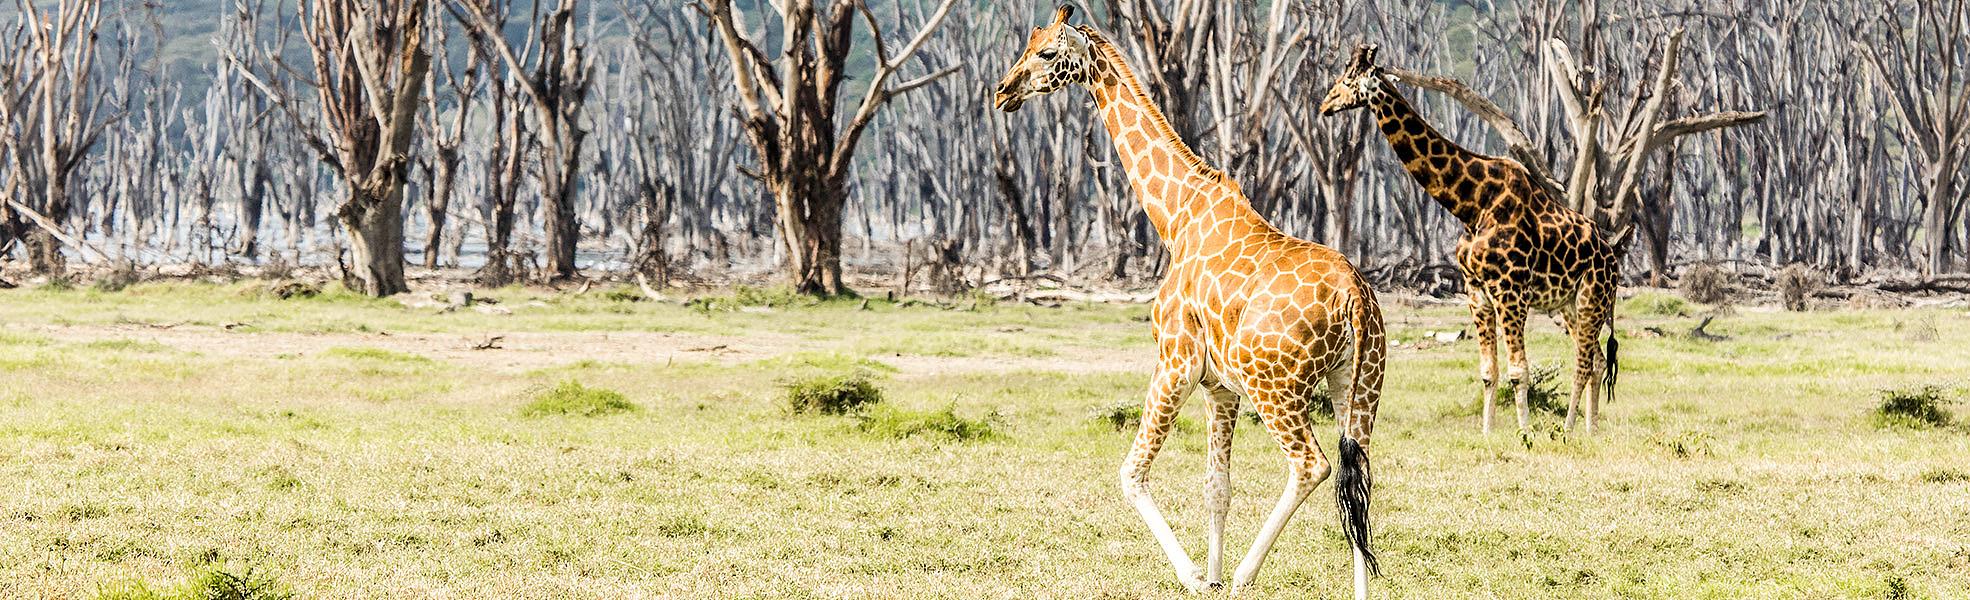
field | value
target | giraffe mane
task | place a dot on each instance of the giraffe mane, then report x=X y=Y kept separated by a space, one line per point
x=1169 y=134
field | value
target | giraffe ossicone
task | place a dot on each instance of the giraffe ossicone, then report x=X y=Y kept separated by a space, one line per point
x=1245 y=311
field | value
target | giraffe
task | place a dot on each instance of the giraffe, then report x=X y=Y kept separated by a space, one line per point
x=1245 y=312
x=1521 y=250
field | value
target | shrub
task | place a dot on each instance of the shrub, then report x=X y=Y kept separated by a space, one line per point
x=294 y=289
x=1655 y=304
x=122 y=274
x=215 y=583
x=1913 y=408
x=1945 y=476
x=573 y=398
x=624 y=294
x=277 y=267
x=1126 y=416
x=1704 y=283
x=1542 y=395
x=220 y=584
x=831 y=394
x=1121 y=415
x=746 y=295
x=1919 y=329
x=944 y=424
x=1796 y=284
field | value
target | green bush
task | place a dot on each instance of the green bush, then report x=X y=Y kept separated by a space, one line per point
x=831 y=394
x=1913 y=408
x=1655 y=304
x=945 y=424
x=1122 y=415
x=573 y=398
x=1125 y=416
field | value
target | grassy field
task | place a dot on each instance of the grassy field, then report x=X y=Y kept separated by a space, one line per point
x=172 y=440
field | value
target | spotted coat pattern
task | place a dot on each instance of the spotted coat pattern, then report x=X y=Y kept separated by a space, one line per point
x=1521 y=250
x=1244 y=312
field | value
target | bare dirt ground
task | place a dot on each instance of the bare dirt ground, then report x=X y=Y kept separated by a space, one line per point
x=525 y=351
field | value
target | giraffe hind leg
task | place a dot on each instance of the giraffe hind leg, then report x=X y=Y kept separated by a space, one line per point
x=1513 y=315
x=1306 y=467
x=1587 y=361
x=1217 y=480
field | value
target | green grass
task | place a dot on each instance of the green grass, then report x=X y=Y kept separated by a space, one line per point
x=341 y=462
x=212 y=583
x=946 y=424
x=572 y=398
x=1654 y=304
x=837 y=394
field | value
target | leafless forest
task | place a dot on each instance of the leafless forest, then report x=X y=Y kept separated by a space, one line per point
x=830 y=144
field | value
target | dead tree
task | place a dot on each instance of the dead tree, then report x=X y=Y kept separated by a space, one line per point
x=445 y=133
x=60 y=120
x=789 y=100
x=556 y=81
x=679 y=146
x=1923 y=64
x=369 y=67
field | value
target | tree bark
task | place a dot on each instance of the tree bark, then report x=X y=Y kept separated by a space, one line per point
x=376 y=241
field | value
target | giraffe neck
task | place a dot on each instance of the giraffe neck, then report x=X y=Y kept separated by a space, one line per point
x=1179 y=192
x=1437 y=163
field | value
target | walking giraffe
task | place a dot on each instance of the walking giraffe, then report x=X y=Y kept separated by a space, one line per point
x=1245 y=312
x=1521 y=250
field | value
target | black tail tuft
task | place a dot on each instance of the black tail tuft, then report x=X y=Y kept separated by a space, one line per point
x=1613 y=369
x=1352 y=484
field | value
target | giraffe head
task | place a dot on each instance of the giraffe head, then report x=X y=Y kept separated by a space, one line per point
x=1358 y=84
x=1057 y=55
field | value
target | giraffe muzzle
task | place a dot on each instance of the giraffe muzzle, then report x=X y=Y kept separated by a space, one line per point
x=1005 y=99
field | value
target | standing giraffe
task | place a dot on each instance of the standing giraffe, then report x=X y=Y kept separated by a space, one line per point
x=1521 y=250
x=1245 y=312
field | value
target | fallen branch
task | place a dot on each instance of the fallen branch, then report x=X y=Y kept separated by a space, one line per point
x=1699 y=333
x=643 y=283
x=55 y=230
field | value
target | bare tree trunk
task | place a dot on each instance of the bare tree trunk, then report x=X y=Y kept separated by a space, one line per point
x=370 y=66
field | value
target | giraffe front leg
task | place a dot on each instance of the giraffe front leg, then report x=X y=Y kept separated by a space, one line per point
x=1484 y=319
x=1217 y=480
x=1513 y=315
x=1173 y=381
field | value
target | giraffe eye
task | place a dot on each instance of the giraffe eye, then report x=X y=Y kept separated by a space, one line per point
x=1048 y=54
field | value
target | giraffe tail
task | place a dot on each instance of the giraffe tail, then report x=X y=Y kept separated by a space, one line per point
x=1613 y=367
x=1352 y=485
